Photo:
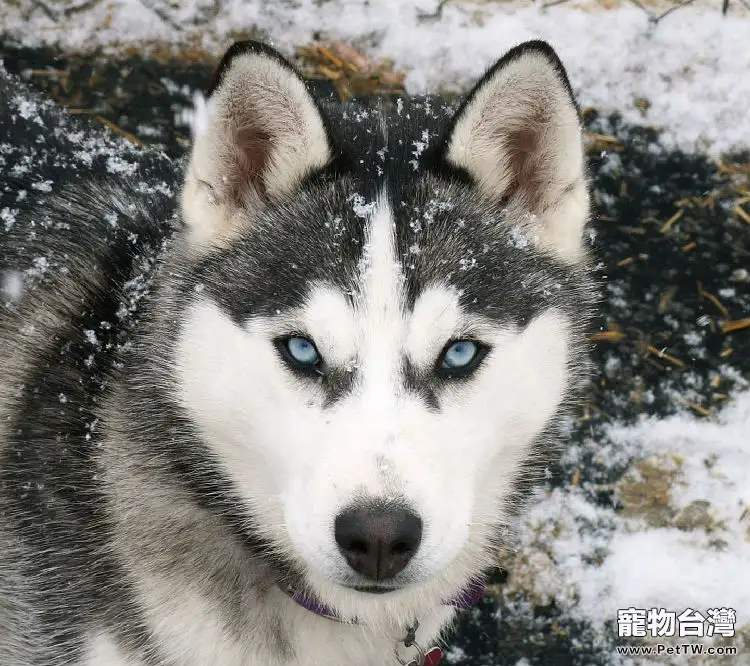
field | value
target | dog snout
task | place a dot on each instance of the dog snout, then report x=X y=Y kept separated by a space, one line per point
x=378 y=542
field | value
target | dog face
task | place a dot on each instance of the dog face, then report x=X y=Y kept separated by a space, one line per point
x=385 y=318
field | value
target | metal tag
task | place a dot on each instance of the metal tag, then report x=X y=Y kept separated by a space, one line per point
x=429 y=657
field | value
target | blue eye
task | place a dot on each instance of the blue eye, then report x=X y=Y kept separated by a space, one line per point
x=460 y=358
x=302 y=351
x=460 y=354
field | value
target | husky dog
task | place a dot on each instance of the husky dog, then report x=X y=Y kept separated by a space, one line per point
x=293 y=424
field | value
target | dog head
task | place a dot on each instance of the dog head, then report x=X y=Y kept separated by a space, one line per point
x=386 y=317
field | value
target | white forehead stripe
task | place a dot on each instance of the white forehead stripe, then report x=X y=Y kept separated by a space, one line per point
x=380 y=304
x=380 y=271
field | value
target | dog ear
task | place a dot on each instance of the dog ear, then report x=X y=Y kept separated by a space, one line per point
x=518 y=135
x=257 y=136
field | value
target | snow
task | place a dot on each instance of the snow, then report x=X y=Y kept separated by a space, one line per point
x=691 y=67
x=691 y=552
x=12 y=285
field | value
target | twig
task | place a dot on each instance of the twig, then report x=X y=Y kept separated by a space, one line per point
x=43 y=6
x=118 y=130
x=736 y=325
x=437 y=14
x=660 y=353
x=161 y=14
x=702 y=293
x=652 y=19
x=207 y=14
x=741 y=212
x=86 y=4
x=668 y=224
x=675 y=8
x=697 y=408
x=666 y=299
x=607 y=336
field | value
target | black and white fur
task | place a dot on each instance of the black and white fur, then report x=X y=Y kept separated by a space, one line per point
x=166 y=473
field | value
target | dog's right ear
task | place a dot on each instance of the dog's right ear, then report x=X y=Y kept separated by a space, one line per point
x=255 y=139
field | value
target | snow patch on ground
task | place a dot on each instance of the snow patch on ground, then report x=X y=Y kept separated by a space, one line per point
x=686 y=545
x=687 y=75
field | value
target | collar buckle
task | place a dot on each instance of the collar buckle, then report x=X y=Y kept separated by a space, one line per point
x=423 y=657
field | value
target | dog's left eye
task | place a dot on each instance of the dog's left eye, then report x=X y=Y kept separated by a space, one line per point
x=460 y=357
x=300 y=353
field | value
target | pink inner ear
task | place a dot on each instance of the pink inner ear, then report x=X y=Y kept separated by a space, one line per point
x=529 y=161
x=250 y=154
x=523 y=164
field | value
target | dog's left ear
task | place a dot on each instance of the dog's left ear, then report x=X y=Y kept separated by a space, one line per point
x=258 y=135
x=518 y=135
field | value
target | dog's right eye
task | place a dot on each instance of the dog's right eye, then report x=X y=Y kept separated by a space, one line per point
x=302 y=350
x=300 y=353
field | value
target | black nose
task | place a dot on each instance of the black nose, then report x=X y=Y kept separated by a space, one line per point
x=378 y=542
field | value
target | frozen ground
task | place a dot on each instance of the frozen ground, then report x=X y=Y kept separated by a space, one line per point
x=676 y=538
x=650 y=507
x=687 y=75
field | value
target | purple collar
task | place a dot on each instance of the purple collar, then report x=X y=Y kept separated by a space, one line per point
x=468 y=597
